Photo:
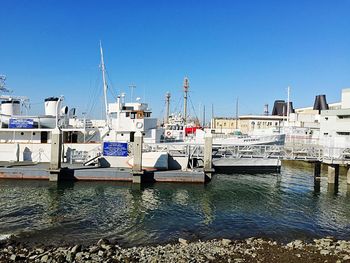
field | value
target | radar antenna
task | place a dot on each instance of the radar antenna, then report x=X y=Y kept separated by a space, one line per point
x=2 y=84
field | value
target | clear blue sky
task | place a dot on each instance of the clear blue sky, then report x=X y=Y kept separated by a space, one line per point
x=247 y=49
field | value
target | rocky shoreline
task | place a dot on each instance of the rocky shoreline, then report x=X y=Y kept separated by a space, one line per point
x=249 y=250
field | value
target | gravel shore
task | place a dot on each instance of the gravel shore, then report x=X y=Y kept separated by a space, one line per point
x=225 y=250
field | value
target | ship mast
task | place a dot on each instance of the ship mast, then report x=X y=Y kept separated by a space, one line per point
x=167 y=97
x=288 y=106
x=186 y=86
x=103 y=69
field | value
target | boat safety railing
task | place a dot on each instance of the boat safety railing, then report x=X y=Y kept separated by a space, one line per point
x=81 y=156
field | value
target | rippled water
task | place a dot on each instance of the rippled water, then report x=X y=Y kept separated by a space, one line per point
x=281 y=206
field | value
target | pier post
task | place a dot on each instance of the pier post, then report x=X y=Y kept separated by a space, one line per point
x=137 y=152
x=333 y=178
x=317 y=170
x=317 y=177
x=208 y=155
x=56 y=152
x=333 y=174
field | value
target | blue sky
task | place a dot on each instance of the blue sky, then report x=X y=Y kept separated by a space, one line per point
x=247 y=49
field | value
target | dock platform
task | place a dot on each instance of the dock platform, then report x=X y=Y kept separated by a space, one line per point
x=77 y=172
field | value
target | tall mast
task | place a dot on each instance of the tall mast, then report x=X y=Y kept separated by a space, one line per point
x=103 y=69
x=203 y=116
x=212 y=124
x=237 y=113
x=167 y=97
x=186 y=86
x=288 y=100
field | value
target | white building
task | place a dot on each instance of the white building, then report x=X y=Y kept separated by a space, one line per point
x=335 y=124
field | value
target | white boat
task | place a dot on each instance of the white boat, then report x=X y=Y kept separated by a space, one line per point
x=241 y=140
x=28 y=138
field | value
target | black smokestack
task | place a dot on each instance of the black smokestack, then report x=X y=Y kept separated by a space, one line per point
x=291 y=109
x=279 y=108
x=320 y=103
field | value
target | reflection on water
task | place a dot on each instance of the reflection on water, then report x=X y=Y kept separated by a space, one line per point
x=281 y=206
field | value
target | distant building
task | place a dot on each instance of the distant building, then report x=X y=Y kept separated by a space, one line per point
x=335 y=124
x=245 y=124
x=250 y=123
x=224 y=125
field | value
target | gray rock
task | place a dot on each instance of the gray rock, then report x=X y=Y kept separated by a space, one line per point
x=209 y=257
x=101 y=253
x=94 y=249
x=347 y=257
x=70 y=257
x=183 y=241
x=226 y=242
x=40 y=250
x=44 y=258
x=325 y=252
x=76 y=249
x=102 y=241
x=106 y=247
x=13 y=257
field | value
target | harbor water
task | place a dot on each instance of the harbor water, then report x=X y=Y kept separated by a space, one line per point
x=282 y=206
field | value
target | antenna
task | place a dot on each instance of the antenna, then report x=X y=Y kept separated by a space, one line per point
x=2 y=83
x=266 y=109
x=132 y=87
x=103 y=69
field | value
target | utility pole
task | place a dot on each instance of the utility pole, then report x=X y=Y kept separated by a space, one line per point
x=203 y=116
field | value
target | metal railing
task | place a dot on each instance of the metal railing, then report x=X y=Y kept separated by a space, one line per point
x=296 y=152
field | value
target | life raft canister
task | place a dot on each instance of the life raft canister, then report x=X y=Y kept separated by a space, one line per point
x=139 y=115
x=139 y=125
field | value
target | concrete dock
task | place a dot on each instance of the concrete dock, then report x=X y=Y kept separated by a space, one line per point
x=77 y=172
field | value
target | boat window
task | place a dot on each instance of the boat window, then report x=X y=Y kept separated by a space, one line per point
x=127 y=114
x=127 y=108
x=132 y=136
x=132 y=115
x=43 y=137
